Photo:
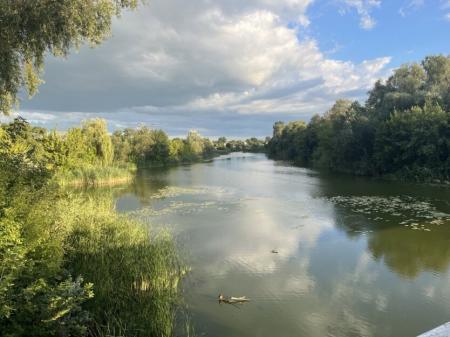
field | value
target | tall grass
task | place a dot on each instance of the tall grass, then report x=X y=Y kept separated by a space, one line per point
x=90 y=175
x=70 y=246
x=135 y=275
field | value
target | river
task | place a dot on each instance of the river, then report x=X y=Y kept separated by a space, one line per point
x=317 y=254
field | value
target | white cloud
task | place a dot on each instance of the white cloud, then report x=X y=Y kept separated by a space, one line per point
x=364 y=9
x=199 y=56
x=34 y=117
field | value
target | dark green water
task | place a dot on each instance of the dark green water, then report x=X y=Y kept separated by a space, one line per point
x=356 y=257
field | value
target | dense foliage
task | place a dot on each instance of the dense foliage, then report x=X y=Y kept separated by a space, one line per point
x=147 y=147
x=249 y=145
x=69 y=264
x=30 y=29
x=402 y=131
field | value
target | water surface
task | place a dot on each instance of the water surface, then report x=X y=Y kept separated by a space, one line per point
x=356 y=256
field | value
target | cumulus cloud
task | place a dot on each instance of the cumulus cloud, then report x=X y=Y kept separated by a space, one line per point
x=206 y=59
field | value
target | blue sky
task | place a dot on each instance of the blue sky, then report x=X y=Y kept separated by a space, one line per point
x=405 y=30
x=229 y=67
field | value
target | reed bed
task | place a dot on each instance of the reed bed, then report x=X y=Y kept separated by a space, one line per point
x=89 y=175
x=135 y=275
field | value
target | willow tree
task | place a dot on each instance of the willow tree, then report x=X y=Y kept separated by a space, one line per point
x=30 y=29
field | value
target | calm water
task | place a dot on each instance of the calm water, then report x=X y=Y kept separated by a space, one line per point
x=356 y=257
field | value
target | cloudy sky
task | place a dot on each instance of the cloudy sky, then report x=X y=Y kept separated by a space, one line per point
x=233 y=67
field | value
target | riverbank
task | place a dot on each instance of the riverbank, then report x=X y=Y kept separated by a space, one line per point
x=74 y=266
x=393 y=177
x=70 y=264
x=91 y=176
x=127 y=266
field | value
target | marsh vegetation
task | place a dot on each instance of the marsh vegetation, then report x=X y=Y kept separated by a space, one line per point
x=70 y=264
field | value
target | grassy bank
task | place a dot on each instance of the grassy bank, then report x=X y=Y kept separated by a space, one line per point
x=135 y=276
x=72 y=266
x=90 y=175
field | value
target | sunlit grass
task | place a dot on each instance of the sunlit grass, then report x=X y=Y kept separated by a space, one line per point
x=135 y=275
x=89 y=175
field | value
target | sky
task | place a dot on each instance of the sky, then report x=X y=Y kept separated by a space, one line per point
x=231 y=67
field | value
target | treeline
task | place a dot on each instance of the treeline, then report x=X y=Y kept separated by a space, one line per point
x=402 y=131
x=89 y=155
x=253 y=145
x=146 y=147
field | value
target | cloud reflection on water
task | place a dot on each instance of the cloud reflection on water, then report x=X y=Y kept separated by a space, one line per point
x=336 y=274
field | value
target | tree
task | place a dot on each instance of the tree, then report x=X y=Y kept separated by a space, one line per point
x=79 y=151
x=254 y=145
x=221 y=143
x=403 y=90
x=121 y=140
x=96 y=134
x=194 y=145
x=415 y=142
x=159 y=152
x=437 y=69
x=30 y=29
x=176 y=148
x=22 y=157
x=403 y=130
x=278 y=129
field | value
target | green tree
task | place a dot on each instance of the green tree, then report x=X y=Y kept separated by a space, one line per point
x=37 y=298
x=79 y=151
x=89 y=145
x=415 y=142
x=31 y=29
x=95 y=132
x=221 y=143
x=176 y=148
x=403 y=90
x=208 y=148
x=403 y=129
x=194 y=146
x=437 y=69
x=121 y=140
x=149 y=146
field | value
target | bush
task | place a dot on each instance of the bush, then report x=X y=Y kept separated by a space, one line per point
x=72 y=266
